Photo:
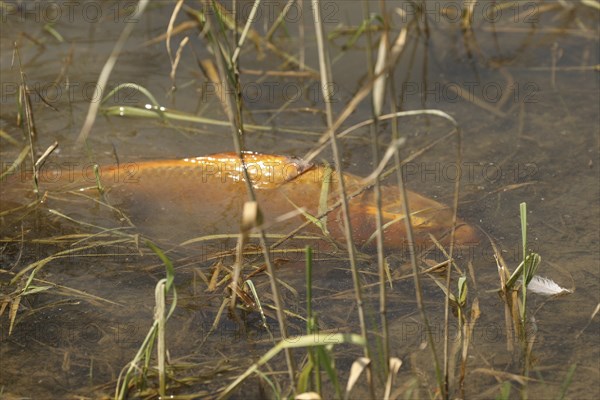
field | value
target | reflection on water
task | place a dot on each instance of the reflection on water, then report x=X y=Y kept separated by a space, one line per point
x=521 y=79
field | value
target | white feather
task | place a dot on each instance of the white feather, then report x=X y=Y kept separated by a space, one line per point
x=546 y=287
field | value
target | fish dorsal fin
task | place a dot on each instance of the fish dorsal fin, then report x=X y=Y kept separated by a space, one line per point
x=266 y=171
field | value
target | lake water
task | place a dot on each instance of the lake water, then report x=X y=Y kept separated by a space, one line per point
x=522 y=81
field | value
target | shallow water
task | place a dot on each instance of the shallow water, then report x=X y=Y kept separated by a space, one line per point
x=529 y=120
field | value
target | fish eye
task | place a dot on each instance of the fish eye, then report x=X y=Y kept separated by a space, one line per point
x=394 y=208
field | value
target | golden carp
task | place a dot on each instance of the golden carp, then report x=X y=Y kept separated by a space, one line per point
x=192 y=197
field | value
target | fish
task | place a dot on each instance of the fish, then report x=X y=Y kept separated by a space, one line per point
x=179 y=199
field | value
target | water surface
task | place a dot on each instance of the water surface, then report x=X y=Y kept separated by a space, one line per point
x=523 y=86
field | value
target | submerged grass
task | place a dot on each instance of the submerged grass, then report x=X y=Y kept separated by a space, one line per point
x=156 y=333
x=227 y=64
x=326 y=86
